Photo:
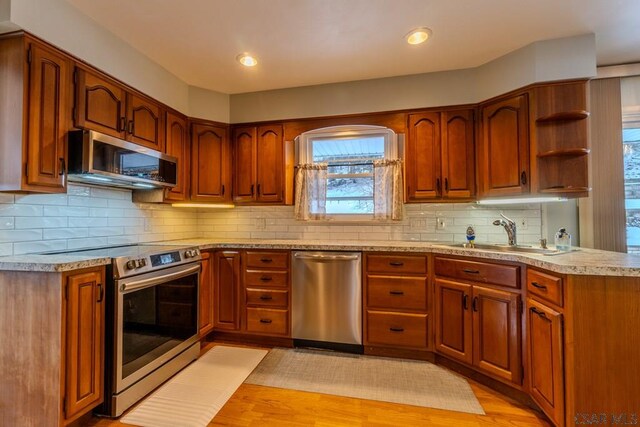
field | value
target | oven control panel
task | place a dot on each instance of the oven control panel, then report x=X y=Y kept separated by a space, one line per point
x=144 y=263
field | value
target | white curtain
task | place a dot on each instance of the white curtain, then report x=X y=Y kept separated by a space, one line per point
x=387 y=189
x=311 y=191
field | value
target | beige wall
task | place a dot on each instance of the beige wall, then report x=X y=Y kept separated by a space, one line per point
x=567 y=58
x=208 y=104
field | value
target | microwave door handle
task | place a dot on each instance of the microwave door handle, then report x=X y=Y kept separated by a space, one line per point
x=136 y=285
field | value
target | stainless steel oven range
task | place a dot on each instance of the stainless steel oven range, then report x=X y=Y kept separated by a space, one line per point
x=151 y=320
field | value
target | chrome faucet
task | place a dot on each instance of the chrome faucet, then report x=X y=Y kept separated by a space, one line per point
x=510 y=227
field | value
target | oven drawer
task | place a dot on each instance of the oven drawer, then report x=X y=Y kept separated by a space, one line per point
x=266 y=278
x=176 y=293
x=268 y=321
x=175 y=314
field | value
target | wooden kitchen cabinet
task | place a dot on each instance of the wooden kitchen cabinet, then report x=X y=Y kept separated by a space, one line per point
x=439 y=159
x=205 y=296
x=395 y=303
x=260 y=165
x=503 y=147
x=35 y=114
x=476 y=323
x=178 y=146
x=210 y=163
x=104 y=105
x=226 y=290
x=546 y=362
x=84 y=364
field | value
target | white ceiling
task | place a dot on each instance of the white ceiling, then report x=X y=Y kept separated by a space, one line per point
x=307 y=42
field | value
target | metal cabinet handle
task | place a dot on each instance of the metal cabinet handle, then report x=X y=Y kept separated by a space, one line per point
x=131 y=127
x=223 y=189
x=63 y=167
x=122 y=124
x=396 y=263
x=438 y=188
x=251 y=190
x=266 y=278
x=396 y=293
x=475 y=303
x=393 y=329
x=446 y=185
x=267 y=260
x=538 y=312
x=265 y=321
x=469 y=271
x=465 y=302
x=523 y=178
x=100 y=292
x=266 y=297
x=538 y=285
x=258 y=189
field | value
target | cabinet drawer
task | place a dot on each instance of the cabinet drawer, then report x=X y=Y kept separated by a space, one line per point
x=397 y=293
x=268 y=321
x=266 y=279
x=396 y=330
x=268 y=297
x=545 y=286
x=408 y=264
x=263 y=259
x=494 y=274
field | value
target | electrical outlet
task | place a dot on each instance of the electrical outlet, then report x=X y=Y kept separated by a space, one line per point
x=261 y=223
x=523 y=224
x=440 y=224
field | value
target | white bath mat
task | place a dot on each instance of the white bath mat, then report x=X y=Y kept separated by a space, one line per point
x=194 y=396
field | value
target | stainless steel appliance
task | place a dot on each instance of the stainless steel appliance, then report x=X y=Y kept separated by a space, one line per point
x=327 y=300
x=151 y=319
x=99 y=159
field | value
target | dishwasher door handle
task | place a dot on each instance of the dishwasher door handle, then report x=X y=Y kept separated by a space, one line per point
x=327 y=257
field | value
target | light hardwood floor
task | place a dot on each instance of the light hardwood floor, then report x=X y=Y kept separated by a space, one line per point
x=253 y=405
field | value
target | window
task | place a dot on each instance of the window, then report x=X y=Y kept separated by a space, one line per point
x=349 y=152
x=631 y=150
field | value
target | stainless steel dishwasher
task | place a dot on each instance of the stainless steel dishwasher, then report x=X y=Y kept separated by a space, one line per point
x=326 y=298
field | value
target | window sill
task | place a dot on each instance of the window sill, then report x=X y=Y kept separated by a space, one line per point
x=351 y=220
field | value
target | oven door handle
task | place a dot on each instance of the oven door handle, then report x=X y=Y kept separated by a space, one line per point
x=152 y=281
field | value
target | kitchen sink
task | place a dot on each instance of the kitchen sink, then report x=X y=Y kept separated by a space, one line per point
x=507 y=248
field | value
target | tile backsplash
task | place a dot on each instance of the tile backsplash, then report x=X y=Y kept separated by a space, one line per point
x=86 y=217
x=93 y=216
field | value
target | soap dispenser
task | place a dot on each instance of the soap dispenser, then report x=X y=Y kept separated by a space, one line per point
x=563 y=240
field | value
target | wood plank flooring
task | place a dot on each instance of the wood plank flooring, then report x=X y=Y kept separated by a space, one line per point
x=253 y=405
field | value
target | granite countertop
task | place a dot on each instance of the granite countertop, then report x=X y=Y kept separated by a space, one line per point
x=582 y=262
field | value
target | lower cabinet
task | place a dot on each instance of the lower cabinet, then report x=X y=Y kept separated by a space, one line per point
x=84 y=342
x=205 y=295
x=226 y=290
x=477 y=324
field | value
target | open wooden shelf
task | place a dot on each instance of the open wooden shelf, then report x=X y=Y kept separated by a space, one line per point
x=565 y=190
x=567 y=152
x=564 y=115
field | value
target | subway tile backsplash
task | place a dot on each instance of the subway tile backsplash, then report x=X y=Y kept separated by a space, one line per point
x=92 y=216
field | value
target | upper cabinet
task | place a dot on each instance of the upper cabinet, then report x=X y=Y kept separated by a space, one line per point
x=210 y=163
x=35 y=108
x=439 y=160
x=178 y=146
x=105 y=106
x=503 y=147
x=262 y=165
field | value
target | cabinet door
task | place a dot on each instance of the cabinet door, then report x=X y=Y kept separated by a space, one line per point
x=422 y=160
x=206 y=295
x=504 y=164
x=244 y=164
x=227 y=290
x=48 y=119
x=177 y=145
x=458 y=161
x=100 y=104
x=453 y=319
x=145 y=124
x=210 y=161
x=546 y=359
x=270 y=164
x=496 y=333
x=84 y=358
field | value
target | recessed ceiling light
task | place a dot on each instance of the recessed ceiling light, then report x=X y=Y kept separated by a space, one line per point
x=247 y=60
x=418 y=35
